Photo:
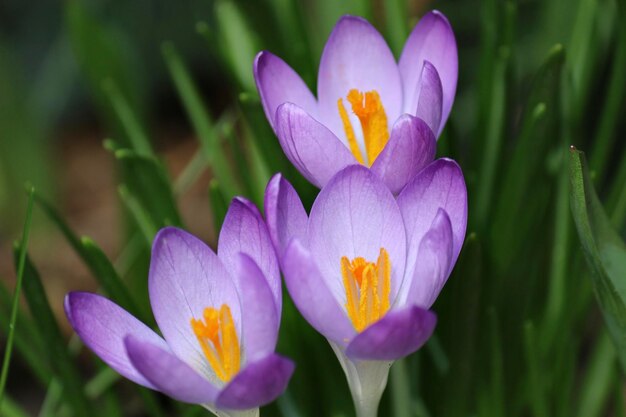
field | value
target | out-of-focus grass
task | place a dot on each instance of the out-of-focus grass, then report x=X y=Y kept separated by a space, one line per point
x=519 y=332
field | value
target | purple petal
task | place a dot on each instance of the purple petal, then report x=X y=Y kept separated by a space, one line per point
x=285 y=214
x=260 y=320
x=411 y=147
x=169 y=374
x=433 y=264
x=313 y=298
x=356 y=57
x=432 y=40
x=309 y=145
x=244 y=231
x=356 y=215
x=439 y=185
x=398 y=334
x=278 y=83
x=430 y=98
x=102 y=325
x=185 y=278
x=257 y=384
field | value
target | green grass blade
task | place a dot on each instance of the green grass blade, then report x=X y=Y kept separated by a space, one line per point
x=135 y=132
x=58 y=354
x=94 y=258
x=599 y=374
x=535 y=381
x=16 y=295
x=203 y=124
x=139 y=214
x=219 y=205
x=396 y=26
x=10 y=408
x=604 y=250
x=400 y=389
x=147 y=181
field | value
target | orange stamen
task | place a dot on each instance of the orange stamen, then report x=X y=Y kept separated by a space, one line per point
x=368 y=107
x=218 y=339
x=368 y=287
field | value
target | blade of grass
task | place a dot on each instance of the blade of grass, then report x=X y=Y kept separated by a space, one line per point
x=94 y=258
x=135 y=132
x=535 y=381
x=10 y=408
x=16 y=295
x=143 y=220
x=219 y=204
x=597 y=381
x=200 y=119
x=58 y=354
x=400 y=390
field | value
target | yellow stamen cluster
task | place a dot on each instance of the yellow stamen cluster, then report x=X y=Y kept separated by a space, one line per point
x=369 y=109
x=367 y=286
x=217 y=336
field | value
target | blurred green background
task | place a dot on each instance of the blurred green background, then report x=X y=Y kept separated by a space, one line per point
x=130 y=115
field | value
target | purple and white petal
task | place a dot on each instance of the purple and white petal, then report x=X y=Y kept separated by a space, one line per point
x=356 y=57
x=432 y=40
x=439 y=185
x=259 y=383
x=102 y=325
x=313 y=298
x=278 y=83
x=169 y=374
x=433 y=265
x=285 y=215
x=314 y=150
x=398 y=334
x=411 y=147
x=430 y=98
x=185 y=278
x=244 y=231
x=260 y=320
x=355 y=215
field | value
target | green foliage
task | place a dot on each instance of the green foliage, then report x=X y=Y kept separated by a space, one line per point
x=519 y=333
x=604 y=250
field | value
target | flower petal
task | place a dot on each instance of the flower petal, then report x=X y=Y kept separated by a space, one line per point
x=259 y=383
x=356 y=57
x=398 y=334
x=309 y=145
x=313 y=298
x=411 y=147
x=355 y=215
x=244 y=231
x=432 y=40
x=169 y=374
x=433 y=264
x=260 y=320
x=284 y=213
x=102 y=325
x=430 y=98
x=185 y=278
x=278 y=83
x=439 y=185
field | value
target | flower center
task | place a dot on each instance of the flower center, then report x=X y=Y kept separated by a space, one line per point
x=367 y=285
x=217 y=336
x=369 y=109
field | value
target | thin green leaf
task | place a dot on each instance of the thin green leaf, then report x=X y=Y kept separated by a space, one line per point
x=400 y=389
x=142 y=218
x=16 y=296
x=200 y=118
x=94 y=258
x=58 y=355
x=219 y=204
x=604 y=250
x=596 y=386
x=135 y=132
x=147 y=181
x=10 y=408
x=536 y=386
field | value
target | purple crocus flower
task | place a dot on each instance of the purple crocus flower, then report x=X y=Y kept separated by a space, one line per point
x=219 y=316
x=369 y=109
x=364 y=267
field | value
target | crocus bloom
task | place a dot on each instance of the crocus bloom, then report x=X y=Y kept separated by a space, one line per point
x=369 y=109
x=364 y=268
x=219 y=316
